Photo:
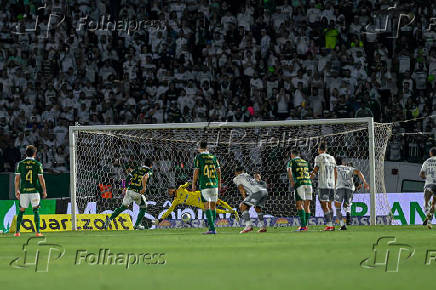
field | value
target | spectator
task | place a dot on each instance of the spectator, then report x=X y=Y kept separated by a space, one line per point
x=258 y=61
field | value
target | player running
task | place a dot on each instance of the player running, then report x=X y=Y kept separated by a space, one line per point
x=428 y=172
x=298 y=173
x=207 y=172
x=182 y=196
x=254 y=192
x=345 y=188
x=136 y=187
x=28 y=179
x=325 y=167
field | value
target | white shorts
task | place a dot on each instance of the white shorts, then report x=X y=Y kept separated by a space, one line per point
x=305 y=192
x=29 y=198
x=132 y=196
x=209 y=194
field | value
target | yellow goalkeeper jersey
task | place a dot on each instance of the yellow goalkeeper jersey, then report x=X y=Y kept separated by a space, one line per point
x=193 y=198
x=184 y=196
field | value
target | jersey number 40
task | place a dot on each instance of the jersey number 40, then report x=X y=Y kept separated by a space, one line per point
x=210 y=171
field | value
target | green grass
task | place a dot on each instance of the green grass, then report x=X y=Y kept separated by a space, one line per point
x=279 y=259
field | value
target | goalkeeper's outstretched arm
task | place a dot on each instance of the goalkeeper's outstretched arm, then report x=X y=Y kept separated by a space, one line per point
x=170 y=209
x=176 y=201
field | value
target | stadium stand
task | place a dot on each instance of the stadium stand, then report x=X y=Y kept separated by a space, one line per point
x=196 y=61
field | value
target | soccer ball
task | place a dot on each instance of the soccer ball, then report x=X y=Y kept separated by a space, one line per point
x=186 y=217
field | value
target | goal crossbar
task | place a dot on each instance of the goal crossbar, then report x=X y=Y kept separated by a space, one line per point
x=214 y=125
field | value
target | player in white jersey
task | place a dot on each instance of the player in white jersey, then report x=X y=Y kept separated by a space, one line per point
x=325 y=167
x=428 y=172
x=345 y=188
x=254 y=192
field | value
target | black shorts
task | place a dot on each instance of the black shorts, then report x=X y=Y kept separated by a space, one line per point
x=344 y=194
x=257 y=199
x=431 y=188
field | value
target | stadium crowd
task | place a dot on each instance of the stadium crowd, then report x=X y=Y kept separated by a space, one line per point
x=195 y=61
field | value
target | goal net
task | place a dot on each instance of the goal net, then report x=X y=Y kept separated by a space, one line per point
x=101 y=154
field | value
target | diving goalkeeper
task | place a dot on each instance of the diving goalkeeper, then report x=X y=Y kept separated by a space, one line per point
x=182 y=196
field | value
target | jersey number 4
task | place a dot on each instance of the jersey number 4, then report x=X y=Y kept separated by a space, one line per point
x=29 y=176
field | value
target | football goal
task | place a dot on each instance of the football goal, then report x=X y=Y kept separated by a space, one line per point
x=100 y=155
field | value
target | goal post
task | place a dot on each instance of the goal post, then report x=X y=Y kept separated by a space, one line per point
x=97 y=154
x=73 y=176
x=372 y=184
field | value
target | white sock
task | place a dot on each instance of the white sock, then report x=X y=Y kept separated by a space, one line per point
x=246 y=217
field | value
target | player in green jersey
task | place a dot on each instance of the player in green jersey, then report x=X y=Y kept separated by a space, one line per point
x=207 y=172
x=298 y=173
x=28 y=179
x=136 y=187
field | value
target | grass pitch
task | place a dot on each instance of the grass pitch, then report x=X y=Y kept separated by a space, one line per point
x=279 y=259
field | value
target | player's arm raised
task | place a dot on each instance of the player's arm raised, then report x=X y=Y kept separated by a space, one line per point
x=195 y=179
x=218 y=172
x=362 y=178
x=422 y=174
x=42 y=182
x=423 y=170
x=242 y=191
x=144 y=183
x=17 y=185
x=291 y=178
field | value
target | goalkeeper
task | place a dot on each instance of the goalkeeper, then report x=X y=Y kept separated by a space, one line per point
x=182 y=196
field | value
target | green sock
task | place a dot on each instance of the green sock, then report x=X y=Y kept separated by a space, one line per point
x=36 y=218
x=19 y=220
x=307 y=218
x=214 y=215
x=117 y=211
x=209 y=216
x=302 y=215
x=141 y=214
